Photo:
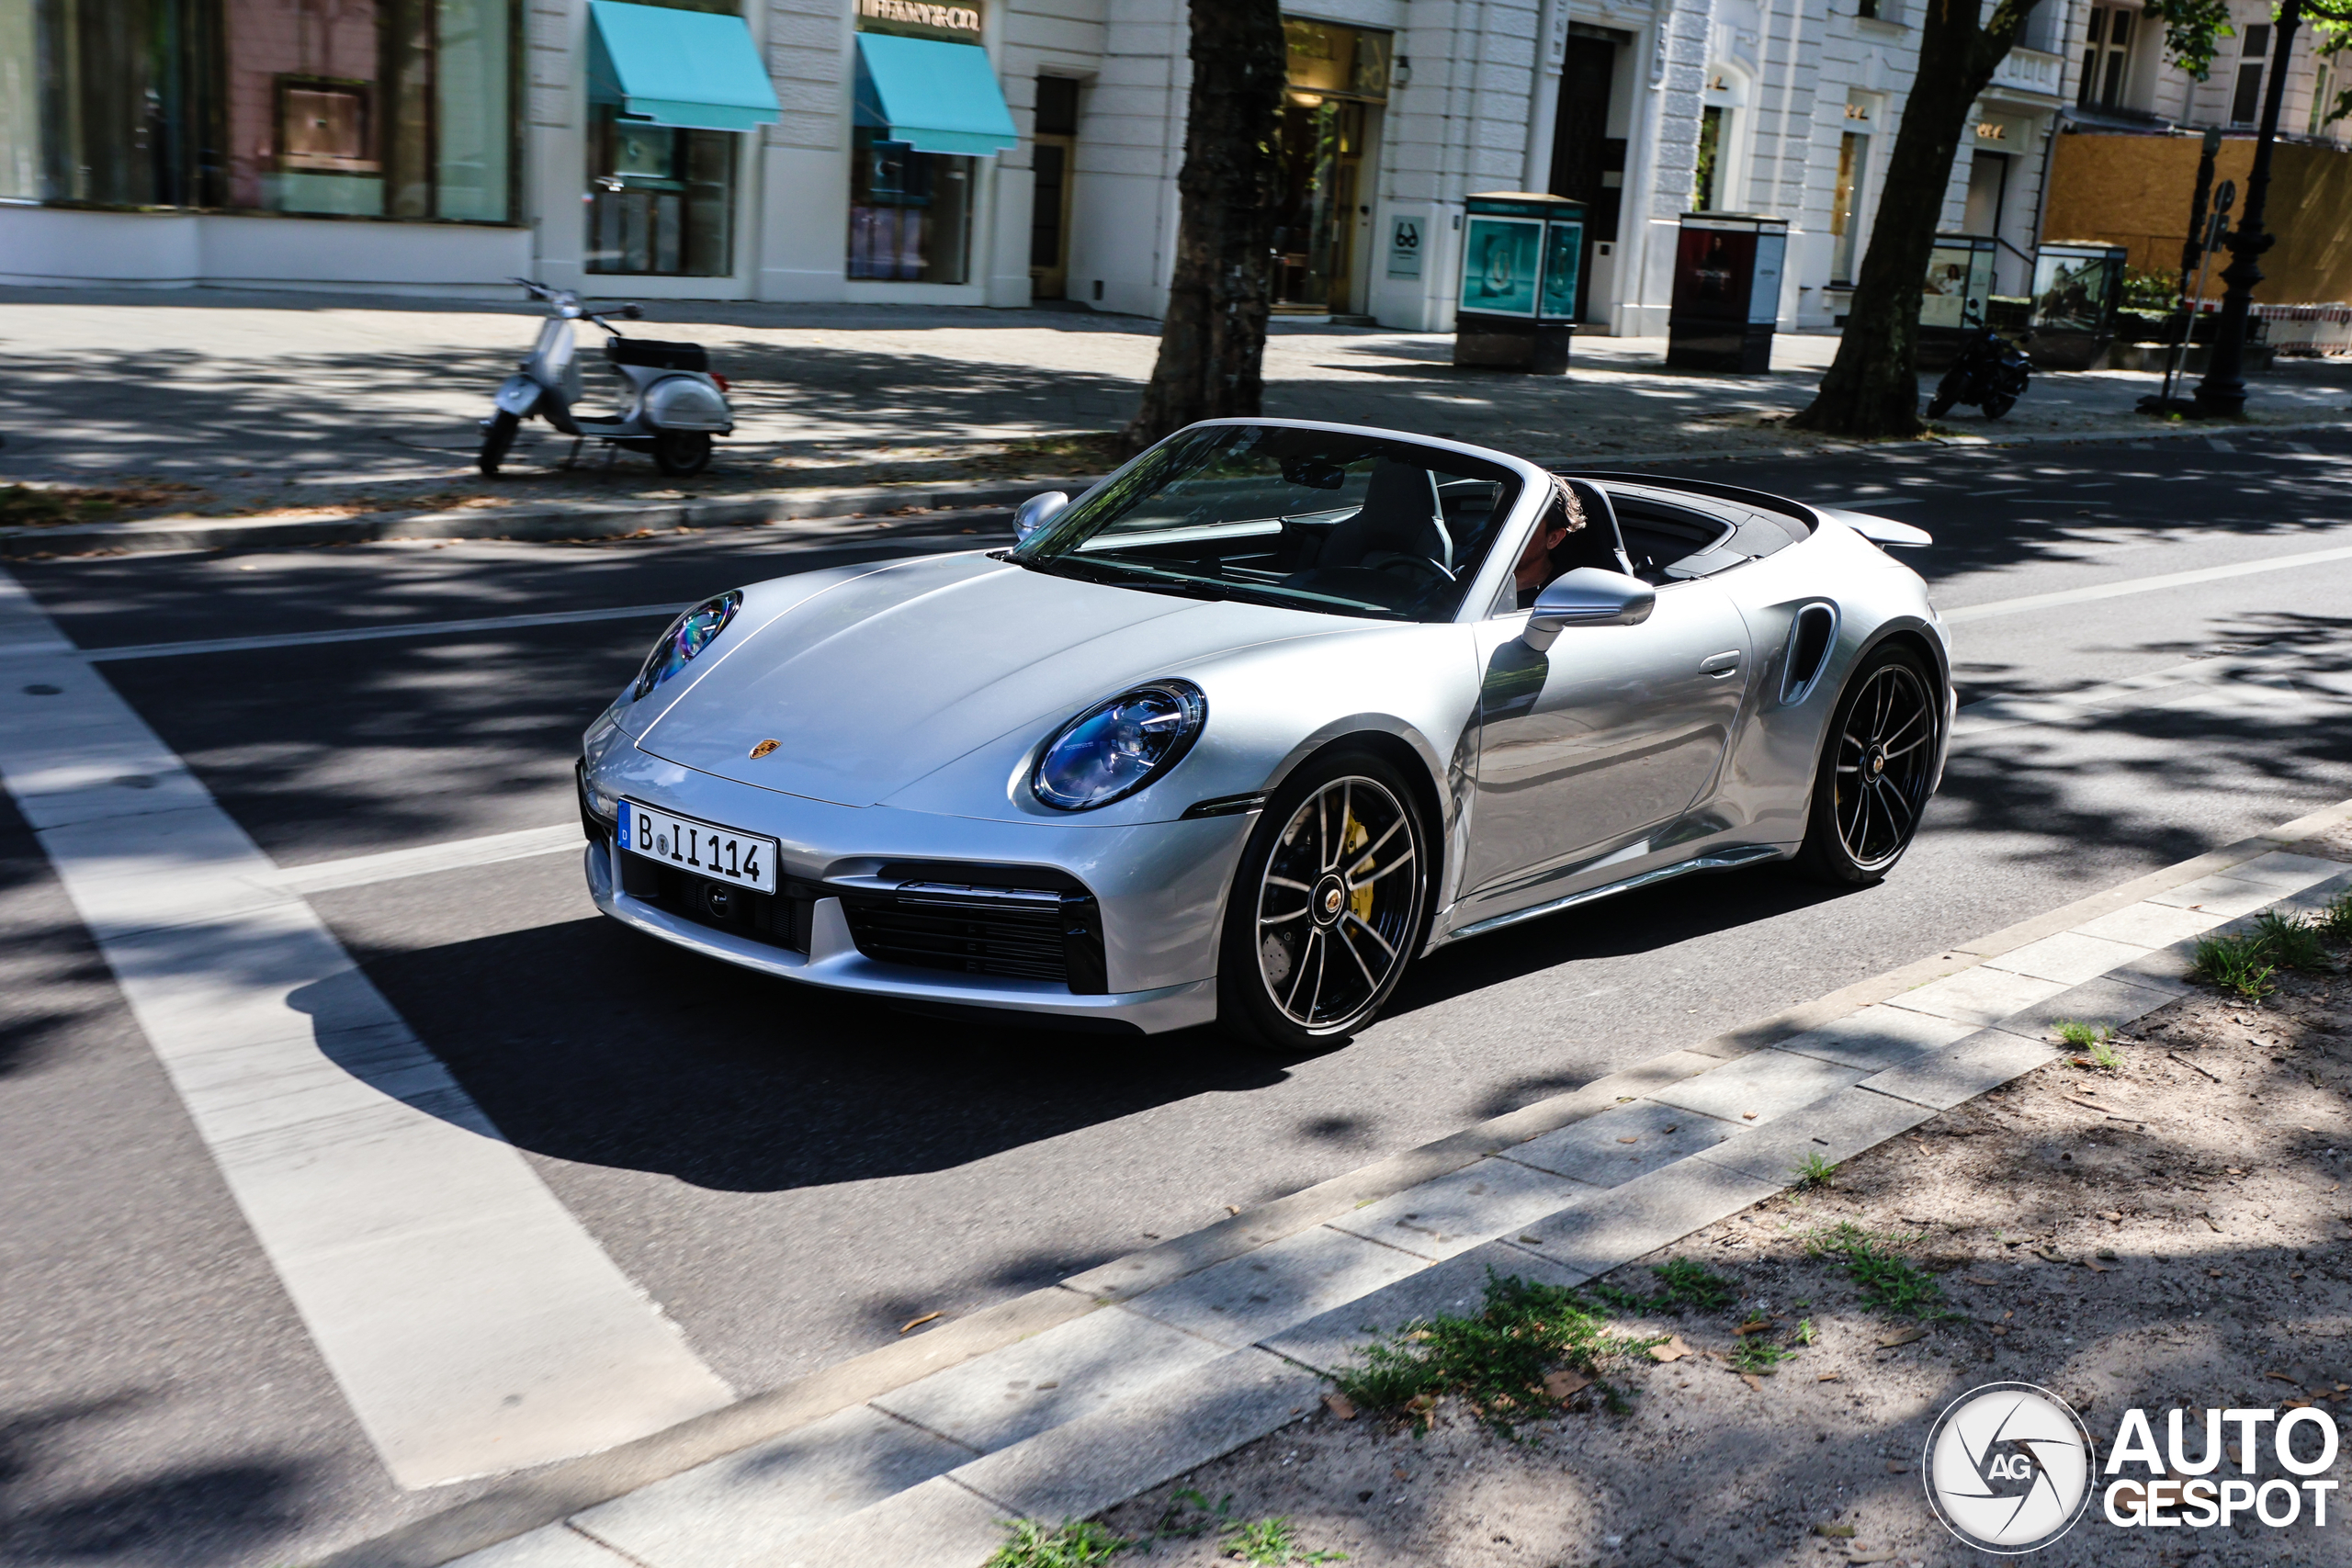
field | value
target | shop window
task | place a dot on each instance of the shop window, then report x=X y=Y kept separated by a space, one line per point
x=1706 y=179
x=1845 y=204
x=662 y=200
x=1338 y=78
x=910 y=212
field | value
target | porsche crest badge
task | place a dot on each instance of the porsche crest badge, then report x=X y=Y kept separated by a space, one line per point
x=763 y=748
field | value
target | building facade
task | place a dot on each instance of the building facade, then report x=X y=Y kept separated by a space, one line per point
x=997 y=152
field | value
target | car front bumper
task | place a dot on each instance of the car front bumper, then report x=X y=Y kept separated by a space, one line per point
x=1154 y=893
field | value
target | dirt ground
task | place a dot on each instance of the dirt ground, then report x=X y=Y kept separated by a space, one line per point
x=2169 y=1233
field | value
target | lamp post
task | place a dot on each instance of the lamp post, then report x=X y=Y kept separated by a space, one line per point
x=2222 y=391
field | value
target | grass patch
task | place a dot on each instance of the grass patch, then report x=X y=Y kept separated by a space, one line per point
x=2234 y=964
x=1889 y=1282
x=1682 y=1286
x=1269 y=1543
x=2091 y=1039
x=1754 y=1353
x=49 y=506
x=1816 y=1171
x=2292 y=941
x=1501 y=1362
x=2335 y=921
x=1070 y=1545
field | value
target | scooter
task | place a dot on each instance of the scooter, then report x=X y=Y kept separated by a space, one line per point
x=1989 y=371
x=675 y=404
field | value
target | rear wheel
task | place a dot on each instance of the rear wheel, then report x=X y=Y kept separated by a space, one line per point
x=497 y=437
x=682 y=452
x=1999 y=403
x=1328 y=908
x=1871 y=785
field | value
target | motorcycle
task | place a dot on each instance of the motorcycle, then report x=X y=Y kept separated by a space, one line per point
x=674 y=403
x=1989 y=371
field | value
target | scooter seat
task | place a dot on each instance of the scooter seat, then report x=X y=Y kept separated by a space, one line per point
x=652 y=354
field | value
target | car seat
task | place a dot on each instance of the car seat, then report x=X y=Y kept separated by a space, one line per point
x=1598 y=542
x=1400 y=521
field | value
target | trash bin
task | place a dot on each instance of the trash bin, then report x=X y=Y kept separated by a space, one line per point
x=1726 y=291
x=2077 y=288
x=1516 y=308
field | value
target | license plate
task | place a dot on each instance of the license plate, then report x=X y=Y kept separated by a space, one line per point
x=722 y=854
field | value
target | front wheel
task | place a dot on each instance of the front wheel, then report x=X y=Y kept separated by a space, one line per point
x=1999 y=403
x=497 y=438
x=1870 y=787
x=679 y=453
x=1328 y=908
x=1946 y=395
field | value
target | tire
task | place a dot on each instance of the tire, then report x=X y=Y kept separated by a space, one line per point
x=1940 y=405
x=497 y=437
x=1300 y=902
x=1883 y=735
x=1999 y=403
x=680 y=453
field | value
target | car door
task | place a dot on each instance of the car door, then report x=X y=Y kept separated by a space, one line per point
x=1583 y=749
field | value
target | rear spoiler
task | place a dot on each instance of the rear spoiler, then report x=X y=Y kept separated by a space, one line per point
x=1880 y=530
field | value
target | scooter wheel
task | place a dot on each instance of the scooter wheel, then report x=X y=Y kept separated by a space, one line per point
x=682 y=452
x=496 y=437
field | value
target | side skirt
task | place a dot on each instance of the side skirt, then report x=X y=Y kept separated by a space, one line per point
x=1715 y=860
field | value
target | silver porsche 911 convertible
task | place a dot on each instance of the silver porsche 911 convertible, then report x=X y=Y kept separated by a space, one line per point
x=1247 y=727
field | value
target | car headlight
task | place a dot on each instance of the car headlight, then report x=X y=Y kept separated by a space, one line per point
x=1115 y=748
x=687 y=636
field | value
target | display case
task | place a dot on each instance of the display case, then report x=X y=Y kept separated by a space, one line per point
x=1728 y=271
x=1957 y=297
x=2077 y=288
x=1515 y=309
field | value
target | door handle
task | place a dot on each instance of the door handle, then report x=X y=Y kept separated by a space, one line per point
x=1720 y=663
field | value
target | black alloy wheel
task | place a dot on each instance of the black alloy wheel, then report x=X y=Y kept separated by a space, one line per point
x=1871 y=787
x=680 y=453
x=497 y=439
x=1328 y=908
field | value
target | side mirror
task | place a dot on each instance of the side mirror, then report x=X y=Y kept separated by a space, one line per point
x=1036 y=512
x=1588 y=596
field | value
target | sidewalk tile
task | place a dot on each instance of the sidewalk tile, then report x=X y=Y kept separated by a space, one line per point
x=934 y=1525
x=1244 y=1299
x=1611 y=1228
x=550 y=1546
x=1977 y=995
x=1876 y=1038
x=2070 y=957
x=1454 y=1213
x=2110 y=1000
x=731 y=1512
x=2316 y=896
x=2228 y=896
x=1768 y=1083
x=1941 y=1079
x=1837 y=1129
x=1618 y=1144
x=1457 y=1287
x=2151 y=925
x=2286 y=870
x=1083 y=1468
x=2163 y=969
x=1097 y=1362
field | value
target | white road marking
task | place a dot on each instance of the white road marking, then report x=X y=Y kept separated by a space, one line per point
x=473 y=1324
x=2142 y=585
x=366 y=634
x=390 y=866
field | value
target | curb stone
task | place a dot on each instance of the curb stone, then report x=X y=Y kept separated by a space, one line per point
x=590 y=521
x=1876 y=1069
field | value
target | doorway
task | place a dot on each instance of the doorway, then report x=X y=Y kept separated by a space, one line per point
x=1988 y=188
x=1587 y=163
x=1338 y=81
x=1053 y=161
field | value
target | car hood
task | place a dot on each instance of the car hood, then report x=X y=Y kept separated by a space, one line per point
x=871 y=684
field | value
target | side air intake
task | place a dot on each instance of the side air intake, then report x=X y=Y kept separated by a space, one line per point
x=1810 y=637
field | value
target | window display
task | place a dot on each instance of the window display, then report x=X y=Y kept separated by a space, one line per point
x=910 y=212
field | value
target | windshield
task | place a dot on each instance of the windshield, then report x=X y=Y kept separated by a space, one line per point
x=1310 y=519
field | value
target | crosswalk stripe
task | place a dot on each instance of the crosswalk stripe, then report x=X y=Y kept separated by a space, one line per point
x=473 y=1324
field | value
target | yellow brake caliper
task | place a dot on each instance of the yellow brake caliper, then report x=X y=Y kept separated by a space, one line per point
x=1352 y=842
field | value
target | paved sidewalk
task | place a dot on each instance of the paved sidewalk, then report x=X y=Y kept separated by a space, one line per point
x=1147 y=1367
x=267 y=404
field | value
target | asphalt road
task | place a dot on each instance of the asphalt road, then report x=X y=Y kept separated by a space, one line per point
x=792 y=1177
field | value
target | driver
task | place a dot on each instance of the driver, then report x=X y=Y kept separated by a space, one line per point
x=1563 y=518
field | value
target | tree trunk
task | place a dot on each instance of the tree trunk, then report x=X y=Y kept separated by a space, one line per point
x=1872 y=387
x=1213 y=342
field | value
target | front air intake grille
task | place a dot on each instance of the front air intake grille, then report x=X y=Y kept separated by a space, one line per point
x=784 y=922
x=1012 y=933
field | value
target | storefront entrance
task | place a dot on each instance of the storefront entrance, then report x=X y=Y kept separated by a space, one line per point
x=1587 y=163
x=1331 y=124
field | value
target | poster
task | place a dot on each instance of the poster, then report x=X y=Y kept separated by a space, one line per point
x=1502 y=264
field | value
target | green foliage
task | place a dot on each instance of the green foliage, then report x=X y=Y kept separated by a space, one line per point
x=2193 y=31
x=2080 y=1035
x=1755 y=1353
x=2335 y=921
x=1070 y=1545
x=1816 y=1171
x=2291 y=942
x=2103 y=1057
x=2152 y=291
x=2233 y=963
x=1684 y=1285
x=1269 y=1543
x=1888 y=1282
x=1497 y=1361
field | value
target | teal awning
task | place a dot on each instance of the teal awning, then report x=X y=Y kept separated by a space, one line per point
x=694 y=69
x=934 y=97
